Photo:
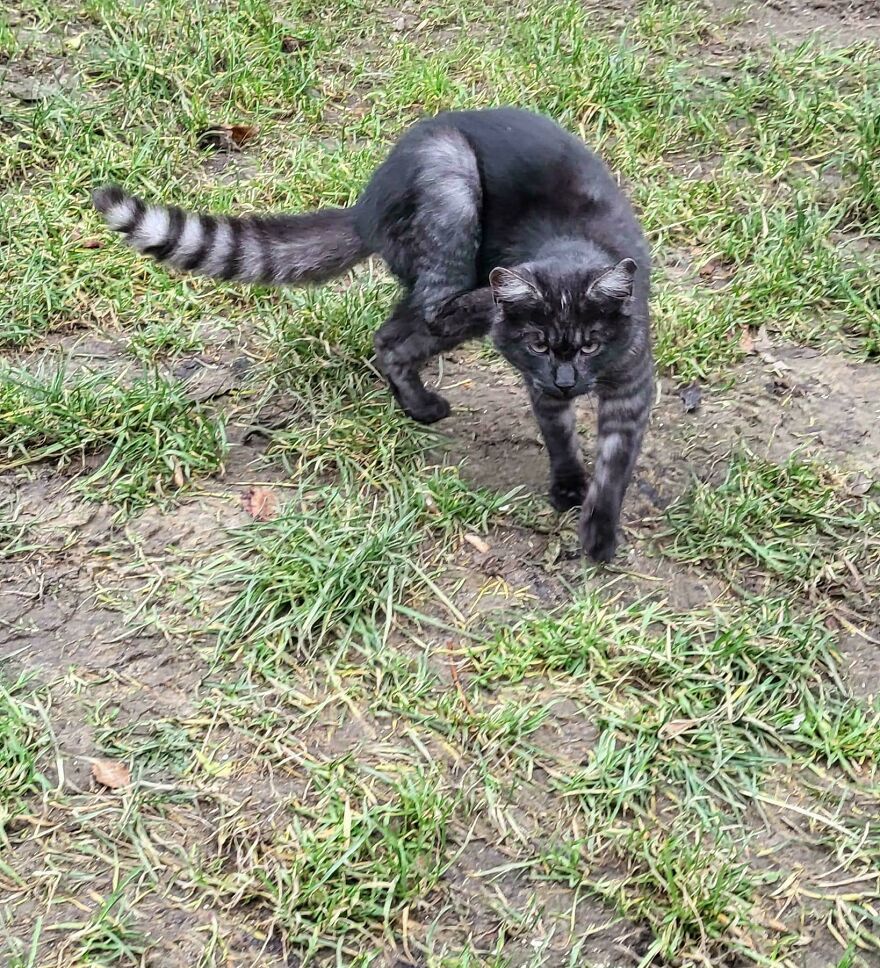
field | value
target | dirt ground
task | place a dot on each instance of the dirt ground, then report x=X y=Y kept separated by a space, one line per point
x=101 y=615
x=62 y=610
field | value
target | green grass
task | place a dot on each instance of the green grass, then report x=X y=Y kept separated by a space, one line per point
x=334 y=563
x=695 y=715
x=109 y=937
x=151 y=440
x=791 y=521
x=401 y=742
x=22 y=739
x=353 y=853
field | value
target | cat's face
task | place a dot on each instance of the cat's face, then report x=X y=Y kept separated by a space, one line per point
x=560 y=330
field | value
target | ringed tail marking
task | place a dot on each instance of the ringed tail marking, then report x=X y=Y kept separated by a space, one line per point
x=272 y=249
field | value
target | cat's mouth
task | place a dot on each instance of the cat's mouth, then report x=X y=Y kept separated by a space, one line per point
x=560 y=393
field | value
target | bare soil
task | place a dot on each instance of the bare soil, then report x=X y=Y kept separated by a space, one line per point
x=94 y=603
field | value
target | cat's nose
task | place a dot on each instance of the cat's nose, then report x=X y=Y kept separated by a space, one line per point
x=565 y=377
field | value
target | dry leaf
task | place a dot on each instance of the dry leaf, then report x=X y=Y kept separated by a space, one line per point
x=860 y=485
x=675 y=727
x=746 y=343
x=291 y=44
x=179 y=479
x=111 y=773
x=260 y=503
x=227 y=137
x=92 y=243
x=242 y=133
x=475 y=541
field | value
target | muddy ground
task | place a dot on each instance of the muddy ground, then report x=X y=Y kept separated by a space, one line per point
x=63 y=611
x=99 y=613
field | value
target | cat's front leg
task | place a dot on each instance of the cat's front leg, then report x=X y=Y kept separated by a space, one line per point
x=556 y=420
x=623 y=417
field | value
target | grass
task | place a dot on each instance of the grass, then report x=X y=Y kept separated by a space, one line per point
x=695 y=714
x=335 y=562
x=791 y=521
x=395 y=721
x=153 y=441
x=354 y=854
x=21 y=743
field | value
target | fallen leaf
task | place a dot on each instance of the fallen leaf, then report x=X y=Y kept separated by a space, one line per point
x=92 y=243
x=242 y=133
x=111 y=773
x=291 y=44
x=715 y=267
x=675 y=727
x=179 y=479
x=475 y=541
x=260 y=503
x=860 y=485
x=691 y=397
x=227 y=137
x=746 y=343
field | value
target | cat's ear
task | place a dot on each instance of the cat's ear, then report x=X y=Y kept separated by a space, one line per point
x=616 y=282
x=513 y=287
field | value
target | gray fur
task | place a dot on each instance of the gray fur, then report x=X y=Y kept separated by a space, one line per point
x=496 y=223
x=281 y=249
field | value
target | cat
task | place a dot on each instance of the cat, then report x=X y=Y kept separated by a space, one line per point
x=495 y=222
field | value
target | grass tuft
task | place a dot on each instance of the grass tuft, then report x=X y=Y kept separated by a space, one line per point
x=151 y=441
x=790 y=521
x=22 y=739
x=342 y=863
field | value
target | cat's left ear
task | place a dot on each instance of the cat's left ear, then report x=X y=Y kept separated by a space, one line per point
x=615 y=283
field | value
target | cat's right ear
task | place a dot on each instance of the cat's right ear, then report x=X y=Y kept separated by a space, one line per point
x=510 y=288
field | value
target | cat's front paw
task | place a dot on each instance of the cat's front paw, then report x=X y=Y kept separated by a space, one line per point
x=567 y=492
x=598 y=535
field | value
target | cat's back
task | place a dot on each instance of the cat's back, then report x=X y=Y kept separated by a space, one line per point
x=520 y=150
x=535 y=179
x=522 y=157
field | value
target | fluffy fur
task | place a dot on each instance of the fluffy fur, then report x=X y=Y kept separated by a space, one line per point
x=495 y=223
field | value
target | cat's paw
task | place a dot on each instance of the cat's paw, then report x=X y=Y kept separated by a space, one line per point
x=568 y=492
x=598 y=535
x=428 y=409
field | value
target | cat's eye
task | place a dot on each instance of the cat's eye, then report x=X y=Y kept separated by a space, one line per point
x=588 y=349
x=538 y=346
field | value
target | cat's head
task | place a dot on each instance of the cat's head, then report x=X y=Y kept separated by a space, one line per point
x=561 y=329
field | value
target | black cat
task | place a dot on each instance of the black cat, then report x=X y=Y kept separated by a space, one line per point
x=495 y=222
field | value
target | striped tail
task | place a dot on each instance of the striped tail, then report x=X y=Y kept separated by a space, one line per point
x=275 y=249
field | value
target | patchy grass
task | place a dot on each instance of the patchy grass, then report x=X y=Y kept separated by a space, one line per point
x=334 y=564
x=346 y=860
x=423 y=735
x=695 y=714
x=791 y=521
x=153 y=441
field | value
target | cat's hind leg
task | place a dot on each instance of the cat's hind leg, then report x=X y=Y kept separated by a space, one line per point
x=432 y=248
x=405 y=342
